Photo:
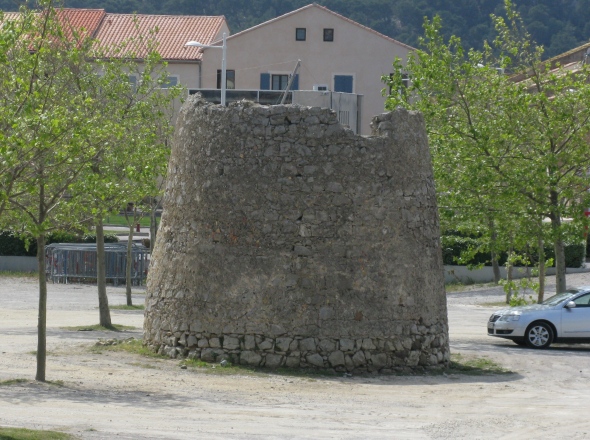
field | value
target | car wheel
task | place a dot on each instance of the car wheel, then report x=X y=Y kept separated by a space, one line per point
x=539 y=335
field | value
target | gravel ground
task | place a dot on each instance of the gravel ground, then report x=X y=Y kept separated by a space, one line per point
x=117 y=395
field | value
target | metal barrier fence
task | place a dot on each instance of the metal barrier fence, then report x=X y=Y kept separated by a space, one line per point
x=74 y=262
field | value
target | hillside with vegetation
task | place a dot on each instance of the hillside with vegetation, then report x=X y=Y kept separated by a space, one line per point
x=557 y=25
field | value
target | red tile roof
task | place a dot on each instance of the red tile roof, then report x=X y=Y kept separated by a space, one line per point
x=87 y=20
x=171 y=32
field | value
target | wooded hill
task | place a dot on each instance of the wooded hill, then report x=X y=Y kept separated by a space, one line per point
x=558 y=25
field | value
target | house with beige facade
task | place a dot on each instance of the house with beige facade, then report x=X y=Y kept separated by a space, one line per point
x=340 y=62
x=336 y=54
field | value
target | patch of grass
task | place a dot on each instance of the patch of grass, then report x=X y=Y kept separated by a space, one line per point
x=30 y=434
x=464 y=287
x=98 y=327
x=47 y=353
x=119 y=220
x=226 y=369
x=494 y=304
x=10 y=382
x=134 y=346
x=474 y=366
x=142 y=365
x=126 y=307
x=12 y=274
x=231 y=369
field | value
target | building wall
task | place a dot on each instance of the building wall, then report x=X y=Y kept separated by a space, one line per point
x=272 y=48
x=286 y=240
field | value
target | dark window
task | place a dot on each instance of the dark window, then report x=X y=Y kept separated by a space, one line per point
x=133 y=82
x=300 y=34
x=343 y=83
x=265 y=81
x=230 y=79
x=171 y=81
x=279 y=82
x=328 y=34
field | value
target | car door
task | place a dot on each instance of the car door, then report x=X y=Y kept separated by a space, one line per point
x=575 y=321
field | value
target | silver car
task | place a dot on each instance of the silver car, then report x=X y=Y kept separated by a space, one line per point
x=564 y=317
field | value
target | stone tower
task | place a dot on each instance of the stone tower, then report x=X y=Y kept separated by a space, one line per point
x=286 y=240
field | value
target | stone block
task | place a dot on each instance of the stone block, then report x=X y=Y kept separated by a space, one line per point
x=346 y=345
x=265 y=345
x=358 y=359
x=327 y=345
x=273 y=360
x=250 y=358
x=292 y=362
x=379 y=360
x=307 y=344
x=231 y=343
x=249 y=342
x=209 y=355
x=283 y=344
x=315 y=359
x=336 y=359
x=191 y=341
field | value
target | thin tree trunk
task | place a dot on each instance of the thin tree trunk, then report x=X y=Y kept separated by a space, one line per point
x=101 y=278
x=541 y=245
x=509 y=268
x=42 y=317
x=558 y=245
x=153 y=224
x=129 y=258
x=494 y=240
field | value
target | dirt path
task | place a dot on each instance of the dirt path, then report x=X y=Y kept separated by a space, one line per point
x=114 y=395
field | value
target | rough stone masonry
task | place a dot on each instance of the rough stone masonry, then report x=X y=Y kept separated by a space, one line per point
x=286 y=240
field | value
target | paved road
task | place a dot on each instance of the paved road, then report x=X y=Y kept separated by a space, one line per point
x=120 y=396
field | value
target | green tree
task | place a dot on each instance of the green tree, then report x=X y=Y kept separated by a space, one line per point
x=44 y=146
x=511 y=148
x=75 y=140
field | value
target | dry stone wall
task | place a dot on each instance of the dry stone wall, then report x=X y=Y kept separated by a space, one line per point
x=286 y=240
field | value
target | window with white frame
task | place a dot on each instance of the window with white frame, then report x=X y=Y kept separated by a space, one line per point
x=279 y=81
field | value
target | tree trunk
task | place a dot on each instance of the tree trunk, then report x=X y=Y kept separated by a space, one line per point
x=541 y=268
x=509 y=268
x=494 y=240
x=42 y=317
x=153 y=224
x=101 y=279
x=558 y=245
x=129 y=258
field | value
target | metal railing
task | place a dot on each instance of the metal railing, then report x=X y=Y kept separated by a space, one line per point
x=73 y=262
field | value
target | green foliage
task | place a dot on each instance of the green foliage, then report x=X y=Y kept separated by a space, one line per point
x=466 y=251
x=508 y=152
x=13 y=245
x=31 y=434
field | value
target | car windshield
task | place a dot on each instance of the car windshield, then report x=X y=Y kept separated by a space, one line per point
x=554 y=300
